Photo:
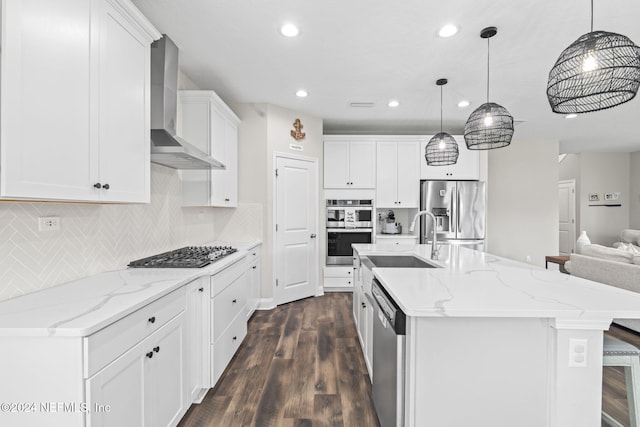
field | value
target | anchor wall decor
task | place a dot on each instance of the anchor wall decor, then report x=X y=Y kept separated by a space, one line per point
x=297 y=134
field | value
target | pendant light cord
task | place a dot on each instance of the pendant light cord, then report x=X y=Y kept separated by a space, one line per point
x=441 y=109
x=592 y=16
x=488 y=53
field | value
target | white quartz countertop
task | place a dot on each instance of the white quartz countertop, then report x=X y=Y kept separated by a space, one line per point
x=476 y=284
x=84 y=306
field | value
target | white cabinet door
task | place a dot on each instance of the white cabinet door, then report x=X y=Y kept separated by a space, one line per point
x=408 y=166
x=224 y=183
x=164 y=385
x=336 y=164
x=144 y=386
x=368 y=351
x=349 y=163
x=197 y=321
x=386 y=174
x=466 y=168
x=121 y=385
x=398 y=174
x=362 y=164
x=210 y=125
x=46 y=134
x=75 y=103
x=124 y=110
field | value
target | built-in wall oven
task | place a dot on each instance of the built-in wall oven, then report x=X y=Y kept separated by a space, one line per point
x=348 y=222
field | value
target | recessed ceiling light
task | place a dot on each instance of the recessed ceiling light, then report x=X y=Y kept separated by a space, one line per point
x=463 y=103
x=302 y=93
x=448 y=30
x=393 y=103
x=289 y=30
x=571 y=116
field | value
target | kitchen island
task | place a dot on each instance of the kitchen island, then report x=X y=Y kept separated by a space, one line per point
x=495 y=342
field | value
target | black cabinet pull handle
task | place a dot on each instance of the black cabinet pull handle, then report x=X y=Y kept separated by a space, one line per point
x=226 y=200
x=234 y=301
x=152 y=319
x=235 y=338
x=254 y=267
x=201 y=289
x=254 y=254
x=156 y=349
x=364 y=305
x=150 y=354
x=106 y=186
x=97 y=185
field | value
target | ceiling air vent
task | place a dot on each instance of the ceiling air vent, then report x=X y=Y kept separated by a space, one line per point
x=361 y=104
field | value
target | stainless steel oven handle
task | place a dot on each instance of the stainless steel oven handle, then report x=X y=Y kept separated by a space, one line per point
x=349 y=230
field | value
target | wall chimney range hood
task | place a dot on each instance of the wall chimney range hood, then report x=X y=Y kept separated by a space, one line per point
x=167 y=148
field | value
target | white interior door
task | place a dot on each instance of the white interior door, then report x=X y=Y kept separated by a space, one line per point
x=296 y=229
x=567 y=216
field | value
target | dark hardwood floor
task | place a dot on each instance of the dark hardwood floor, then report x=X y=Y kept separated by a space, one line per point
x=614 y=392
x=301 y=365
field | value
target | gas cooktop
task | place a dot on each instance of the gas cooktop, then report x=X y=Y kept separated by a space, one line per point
x=187 y=257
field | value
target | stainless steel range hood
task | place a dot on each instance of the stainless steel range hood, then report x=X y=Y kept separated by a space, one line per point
x=167 y=148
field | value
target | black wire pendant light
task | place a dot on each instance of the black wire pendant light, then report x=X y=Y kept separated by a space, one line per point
x=442 y=149
x=599 y=70
x=490 y=125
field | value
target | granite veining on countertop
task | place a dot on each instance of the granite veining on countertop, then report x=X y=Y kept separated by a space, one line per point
x=477 y=284
x=84 y=306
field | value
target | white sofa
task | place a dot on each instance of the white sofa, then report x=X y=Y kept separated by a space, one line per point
x=618 y=267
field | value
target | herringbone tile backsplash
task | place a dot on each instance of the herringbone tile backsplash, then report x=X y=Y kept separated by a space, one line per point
x=95 y=238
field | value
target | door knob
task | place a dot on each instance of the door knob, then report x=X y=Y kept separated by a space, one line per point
x=313 y=236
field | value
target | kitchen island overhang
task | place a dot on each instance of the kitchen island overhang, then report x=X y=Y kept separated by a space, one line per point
x=493 y=342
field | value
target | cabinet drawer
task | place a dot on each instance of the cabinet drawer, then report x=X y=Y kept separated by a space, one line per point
x=254 y=254
x=228 y=304
x=110 y=342
x=226 y=346
x=338 y=282
x=397 y=240
x=226 y=277
x=338 y=271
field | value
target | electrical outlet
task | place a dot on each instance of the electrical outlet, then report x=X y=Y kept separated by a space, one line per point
x=577 y=353
x=49 y=223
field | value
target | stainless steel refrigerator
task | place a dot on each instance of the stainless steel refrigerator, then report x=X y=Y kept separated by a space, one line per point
x=459 y=208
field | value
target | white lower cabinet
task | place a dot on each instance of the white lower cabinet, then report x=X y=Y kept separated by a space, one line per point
x=197 y=351
x=255 y=280
x=144 y=369
x=363 y=312
x=229 y=290
x=338 y=278
x=144 y=386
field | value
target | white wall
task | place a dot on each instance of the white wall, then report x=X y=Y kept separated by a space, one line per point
x=265 y=129
x=600 y=173
x=522 y=201
x=634 y=191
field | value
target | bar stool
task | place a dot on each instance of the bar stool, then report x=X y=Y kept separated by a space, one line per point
x=619 y=353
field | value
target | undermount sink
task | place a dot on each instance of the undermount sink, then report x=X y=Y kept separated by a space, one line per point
x=399 y=261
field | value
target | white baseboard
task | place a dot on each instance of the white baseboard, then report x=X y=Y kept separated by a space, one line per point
x=266 y=304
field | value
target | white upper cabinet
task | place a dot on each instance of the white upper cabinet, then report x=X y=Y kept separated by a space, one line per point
x=466 y=168
x=349 y=162
x=398 y=174
x=75 y=101
x=208 y=123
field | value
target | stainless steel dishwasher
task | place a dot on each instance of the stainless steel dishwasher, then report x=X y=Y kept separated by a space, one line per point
x=388 y=358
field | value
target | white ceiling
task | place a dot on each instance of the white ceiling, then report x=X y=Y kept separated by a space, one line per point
x=377 y=50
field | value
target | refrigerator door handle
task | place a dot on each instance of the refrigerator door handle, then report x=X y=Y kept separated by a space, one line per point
x=458 y=208
x=454 y=211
